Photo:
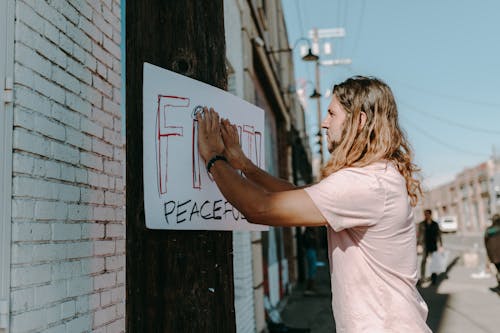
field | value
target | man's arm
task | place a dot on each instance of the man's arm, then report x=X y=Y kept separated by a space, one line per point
x=439 y=239
x=285 y=208
x=264 y=179
x=420 y=236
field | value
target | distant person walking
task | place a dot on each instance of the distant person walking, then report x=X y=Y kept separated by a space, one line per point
x=429 y=240
x=492 y=244
x=310 y=241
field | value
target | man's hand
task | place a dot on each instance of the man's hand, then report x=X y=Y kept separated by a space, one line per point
x=232 y=147
x=209 y=134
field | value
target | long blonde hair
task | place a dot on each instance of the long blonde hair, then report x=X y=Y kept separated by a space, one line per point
x=380 y=139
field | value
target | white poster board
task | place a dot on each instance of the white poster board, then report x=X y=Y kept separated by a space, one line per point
x=178 y=191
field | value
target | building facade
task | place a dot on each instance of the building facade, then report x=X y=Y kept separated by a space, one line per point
x=473 y=197
x=266 y=261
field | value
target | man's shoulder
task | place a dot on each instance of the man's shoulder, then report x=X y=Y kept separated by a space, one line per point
x=371 y=168
x=435 y=225
x=421 y=226
x=351 y=175
x=492 y=231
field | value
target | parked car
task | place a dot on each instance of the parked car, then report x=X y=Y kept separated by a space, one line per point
x=448 y=223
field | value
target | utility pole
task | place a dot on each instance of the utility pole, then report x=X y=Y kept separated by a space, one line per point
x=318 y=100
x=177 y=281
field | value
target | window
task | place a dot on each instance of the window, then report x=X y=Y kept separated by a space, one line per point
x=463 y=190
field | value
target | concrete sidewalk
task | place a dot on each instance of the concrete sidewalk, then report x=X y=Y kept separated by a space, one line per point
x=462 y=303
x=459 y=302
x=313 y=312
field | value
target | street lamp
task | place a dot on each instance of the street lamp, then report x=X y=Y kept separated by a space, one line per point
x=310 y=56
x=318 y=100
x=315 y=94
x=307 y=57
x=319 y=139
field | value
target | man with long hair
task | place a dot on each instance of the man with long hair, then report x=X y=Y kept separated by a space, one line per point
x=365 y=199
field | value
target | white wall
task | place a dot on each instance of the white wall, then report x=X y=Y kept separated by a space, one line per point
x=243 y=282
x=242 y=246
x=6 y=74
x=68 y=224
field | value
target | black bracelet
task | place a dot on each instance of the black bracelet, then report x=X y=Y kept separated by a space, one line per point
x=213 y=160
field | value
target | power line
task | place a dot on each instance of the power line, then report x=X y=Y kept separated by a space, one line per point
x=454 y=98
x=447 y=96
x=297 y=8
x=302 y=32
x=451 y=122
x=358 y=29
x=343 y=24
x=439 y=141
x=339 y=5
x=346 y=13
x=306 y=17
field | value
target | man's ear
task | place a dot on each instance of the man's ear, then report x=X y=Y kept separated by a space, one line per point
x=362 y=121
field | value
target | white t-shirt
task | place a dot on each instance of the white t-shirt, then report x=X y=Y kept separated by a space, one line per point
x=372 y=250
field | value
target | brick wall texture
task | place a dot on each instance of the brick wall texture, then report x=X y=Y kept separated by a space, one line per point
x=243 y=282
x=68 y=223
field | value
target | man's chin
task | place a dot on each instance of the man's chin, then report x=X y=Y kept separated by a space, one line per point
x=332 y=146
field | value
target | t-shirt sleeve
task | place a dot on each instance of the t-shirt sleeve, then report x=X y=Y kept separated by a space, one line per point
x=349 y=198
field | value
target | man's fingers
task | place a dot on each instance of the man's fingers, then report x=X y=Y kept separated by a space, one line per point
x=201 y=123
x=223 y=131
x=214 y=119
x=205 y=120
x=234 y=132
x=224 y=128
x=228 y=132
x=209 y=122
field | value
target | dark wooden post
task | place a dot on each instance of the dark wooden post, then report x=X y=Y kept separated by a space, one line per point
x=177 y=281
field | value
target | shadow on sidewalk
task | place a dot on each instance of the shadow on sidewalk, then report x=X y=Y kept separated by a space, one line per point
x=436 y=302
x=311 y=312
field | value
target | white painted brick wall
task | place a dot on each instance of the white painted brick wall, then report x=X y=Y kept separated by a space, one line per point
x=242 y=246
x=68 y=223
x=243 y=284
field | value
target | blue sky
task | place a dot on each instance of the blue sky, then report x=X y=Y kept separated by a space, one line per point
x=440 y=57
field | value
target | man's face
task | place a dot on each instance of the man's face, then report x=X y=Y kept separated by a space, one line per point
x=427 y=215
x=334 y=123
